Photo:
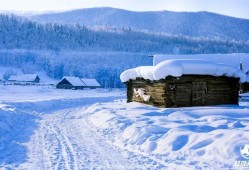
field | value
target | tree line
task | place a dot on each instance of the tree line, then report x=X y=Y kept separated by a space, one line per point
x=61 y=50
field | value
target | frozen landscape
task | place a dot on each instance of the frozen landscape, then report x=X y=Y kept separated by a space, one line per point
x=46 y=128
x=122 y=47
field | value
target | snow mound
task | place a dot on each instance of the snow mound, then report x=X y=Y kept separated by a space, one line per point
x=233 y=60
x=179 y=67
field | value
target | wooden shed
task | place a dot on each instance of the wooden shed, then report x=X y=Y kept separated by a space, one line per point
x=192 y=84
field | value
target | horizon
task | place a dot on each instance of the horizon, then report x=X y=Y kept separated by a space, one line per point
x=222 y=7
x=27 y=13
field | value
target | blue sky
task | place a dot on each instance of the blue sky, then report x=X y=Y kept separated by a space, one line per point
x=237 y=8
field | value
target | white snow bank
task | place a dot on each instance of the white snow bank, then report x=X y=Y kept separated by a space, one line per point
x=179 y=67
x=194 y=138
x=16 y=128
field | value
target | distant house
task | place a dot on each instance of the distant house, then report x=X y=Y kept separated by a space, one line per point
x=91 y=83
x=76 y=83
x=24 y=79
x=181 y=83
x=70 y=83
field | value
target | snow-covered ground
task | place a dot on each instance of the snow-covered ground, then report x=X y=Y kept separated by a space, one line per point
x=46 y=128
x=180 y=138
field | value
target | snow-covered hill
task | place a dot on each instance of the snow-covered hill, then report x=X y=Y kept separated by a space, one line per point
x=194 y=24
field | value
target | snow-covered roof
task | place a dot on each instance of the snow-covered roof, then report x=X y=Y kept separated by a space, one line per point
x=229 y=59
x=90 y=82
x=75 y=81
x=23 y=77
x=179 y=67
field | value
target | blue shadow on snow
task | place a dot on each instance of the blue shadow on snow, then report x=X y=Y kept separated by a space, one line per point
x=16 y=128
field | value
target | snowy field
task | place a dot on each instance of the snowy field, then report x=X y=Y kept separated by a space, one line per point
x=46 y=128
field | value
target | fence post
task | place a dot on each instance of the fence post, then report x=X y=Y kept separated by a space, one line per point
x=240 y=84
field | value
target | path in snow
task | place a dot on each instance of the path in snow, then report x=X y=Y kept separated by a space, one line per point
x=65 y=141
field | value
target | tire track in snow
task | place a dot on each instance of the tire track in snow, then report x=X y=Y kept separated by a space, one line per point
x=65 y=141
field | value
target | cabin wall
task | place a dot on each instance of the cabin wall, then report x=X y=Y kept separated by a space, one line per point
x=159 y=92
x=245 y=87
x=188 y=90
x=37 y=80
x=64 y=86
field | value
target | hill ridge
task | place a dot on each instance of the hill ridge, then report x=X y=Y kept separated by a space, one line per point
x=194 y=24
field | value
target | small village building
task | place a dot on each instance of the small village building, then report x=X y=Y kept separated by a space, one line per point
x=70 y=83
x=76 y=83
x=91 y=83
x=181 y=83
x=24 y=79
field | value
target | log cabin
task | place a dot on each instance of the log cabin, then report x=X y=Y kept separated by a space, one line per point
x=236 y=60
x=70 y=83
x=183 y=83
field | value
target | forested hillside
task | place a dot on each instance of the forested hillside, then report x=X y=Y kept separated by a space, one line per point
x=78 y=51
x=23 y=34
x=194 y=24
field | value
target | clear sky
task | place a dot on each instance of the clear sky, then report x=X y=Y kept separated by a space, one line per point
x=237 y=8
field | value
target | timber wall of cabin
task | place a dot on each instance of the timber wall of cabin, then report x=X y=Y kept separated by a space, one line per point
x=188 y=90
x=245 y=87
